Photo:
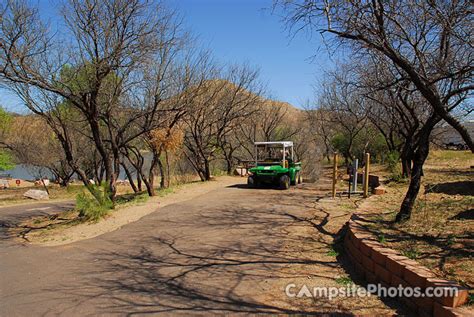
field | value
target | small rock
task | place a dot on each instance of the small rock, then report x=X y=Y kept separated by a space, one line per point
x=36 y=194
x=379 y=190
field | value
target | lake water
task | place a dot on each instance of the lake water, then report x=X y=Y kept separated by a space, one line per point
x=31 y=173
x=26 y=172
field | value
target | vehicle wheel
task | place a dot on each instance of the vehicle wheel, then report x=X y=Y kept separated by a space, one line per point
x=284 y=182
x=251 y=182
x=300 y=180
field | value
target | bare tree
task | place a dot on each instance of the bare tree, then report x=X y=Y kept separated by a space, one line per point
x=219 y=107
x=426 y=42
x=33 y=143
x=272 y=121
x=320 y=128
x=98 y=74
x=394 y=110
x=344 y=108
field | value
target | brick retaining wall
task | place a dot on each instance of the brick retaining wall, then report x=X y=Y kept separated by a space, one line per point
x=379 y=264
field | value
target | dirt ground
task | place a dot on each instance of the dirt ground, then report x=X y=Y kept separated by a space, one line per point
x=228 y=250
x=312 y=237
x=440 y=232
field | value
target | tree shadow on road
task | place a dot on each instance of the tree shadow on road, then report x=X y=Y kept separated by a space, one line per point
x=238 y=256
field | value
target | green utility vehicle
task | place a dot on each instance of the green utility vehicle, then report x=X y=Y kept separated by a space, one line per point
x=274 y=164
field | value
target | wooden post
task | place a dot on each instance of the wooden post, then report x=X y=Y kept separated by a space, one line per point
x=334 y=176
x=366 y=175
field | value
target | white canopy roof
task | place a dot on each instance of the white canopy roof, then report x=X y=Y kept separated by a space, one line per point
x=283 y=143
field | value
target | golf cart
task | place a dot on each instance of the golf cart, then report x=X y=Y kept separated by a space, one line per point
x=274 y=164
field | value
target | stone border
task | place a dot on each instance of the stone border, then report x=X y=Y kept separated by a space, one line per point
x=380 y=264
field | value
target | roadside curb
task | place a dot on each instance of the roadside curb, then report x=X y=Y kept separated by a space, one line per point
x=377 y=263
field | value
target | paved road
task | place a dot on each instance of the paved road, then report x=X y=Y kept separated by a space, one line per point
x=228 y=251
x=12 y=215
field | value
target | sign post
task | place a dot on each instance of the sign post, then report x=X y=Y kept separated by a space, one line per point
x=356 y=168
x=366 y=175
x=334 y=175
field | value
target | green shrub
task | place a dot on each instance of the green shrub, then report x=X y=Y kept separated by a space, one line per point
x=411 y=253
x=6 y=161
x=393 y=159
x=94 y=203
x=393 y=166
x=332 y=252
x=369 y=141
x=381 y=238
x=344 y=280
x=216 y=171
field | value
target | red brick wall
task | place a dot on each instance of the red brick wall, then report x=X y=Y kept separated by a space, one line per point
x=379 y=264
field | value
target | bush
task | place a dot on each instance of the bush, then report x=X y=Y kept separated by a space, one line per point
x=392 y=162
x=94 y=203
x=393 y=165
x=6 y=161
x=369 y=141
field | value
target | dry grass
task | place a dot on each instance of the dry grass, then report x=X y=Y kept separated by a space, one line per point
x=14 y=196
x=440 y=231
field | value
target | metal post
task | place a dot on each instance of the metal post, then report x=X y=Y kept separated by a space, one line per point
x=283 y=156
x=363 y=179
x=366 y=175
x=350 y=188
x=256 y=155
x=356 y=167
x=334 y=176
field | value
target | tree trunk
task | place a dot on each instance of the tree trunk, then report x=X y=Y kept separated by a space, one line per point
x=149 y=186
x=201 y=175
x=229 y=166
x=162 y=173
x=207 y=170
x=415 y=184
x=419 y=159
x=406 y=156
x=452 y=121
x=461 y=130
x=114 y=177
x=64 y=179
x=100 y=175
x=139 y=181
x=61 y=178
x=44 y=185
x=108 y=161
x=406 y=167
x=130 y=178
x=168 y=172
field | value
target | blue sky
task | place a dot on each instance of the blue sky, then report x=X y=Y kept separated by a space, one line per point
x=239 y=31
x=247 y=31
